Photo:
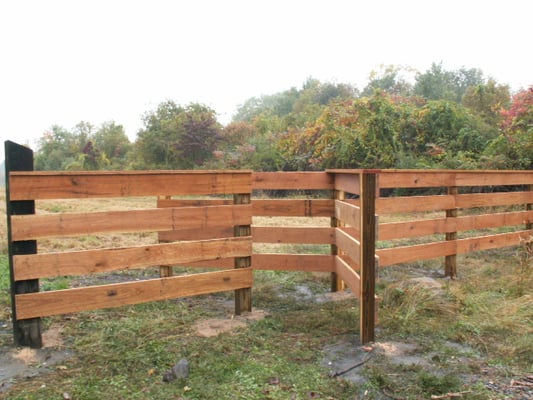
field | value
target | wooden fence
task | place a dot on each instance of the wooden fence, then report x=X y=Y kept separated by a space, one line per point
x=201 y=231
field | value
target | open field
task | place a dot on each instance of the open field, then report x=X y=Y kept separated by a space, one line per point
x=469 y=338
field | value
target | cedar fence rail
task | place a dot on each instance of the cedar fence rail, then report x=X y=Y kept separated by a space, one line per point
x=198 y=227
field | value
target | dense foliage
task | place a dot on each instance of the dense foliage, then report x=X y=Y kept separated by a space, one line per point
x=401 y=119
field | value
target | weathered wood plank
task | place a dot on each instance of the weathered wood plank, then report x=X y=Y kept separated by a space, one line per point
x=488 y=242
x=95 y=297
x=409 y=229
x=348 y=182
x=294 y=262
x=293 y=208
x=348 y=275
x=348 y=214
x=162 y=219
x=406 y=204
x=493 y=199
x=67 y=185
x=347 y=244
x=447 y=178
x=405 y=254
x=207 y=232
x=292 y=181
x=280 y=234
x=104 y=260
x=175 y=203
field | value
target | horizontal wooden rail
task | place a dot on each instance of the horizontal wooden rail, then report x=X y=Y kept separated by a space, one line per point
x=348 y=275
x=410 y=204
x=57 y=302
x=405 y=254
x=446 y=178
x=104 y=260
x=294 y=262
x=293 y=208
x=348 y=214
x=39 y=226
x=292 y=181
x=410 y=229
x=298 y=235
x=75 y=185
x=347 y=244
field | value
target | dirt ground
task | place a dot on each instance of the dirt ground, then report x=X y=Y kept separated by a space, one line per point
x=344 y=357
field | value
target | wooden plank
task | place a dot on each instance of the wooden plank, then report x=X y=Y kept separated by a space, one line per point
x=208 y=232
x=104 y=260
x=292 y=181
x=409 y=229
x=175 y=203
x=348 y=275
x=67 y=185
x=347 y=244
x=405 y=254
x=493 y=199
x=95 y=297
x=347 y=182
x=488 y=242
x=294 y=262
x=406 y=204
x=293 y=208
x=415 y=179
x=446 y=178
x=348 y=214
x=279 y=234
x=162 y=219
x=450 y=262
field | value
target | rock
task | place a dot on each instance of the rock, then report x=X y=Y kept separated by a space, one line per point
x=181 y=369
x=178 y=371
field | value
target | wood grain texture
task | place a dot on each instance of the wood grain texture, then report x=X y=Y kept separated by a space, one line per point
x=293 y=208
x=161 y=219
x=348 y=275
x=95 y=297
x=104 y=260
x=275 y=234
x=292 y=181
x=348 y=214
x=347 y=244
x=68 y=185
x=294 y=262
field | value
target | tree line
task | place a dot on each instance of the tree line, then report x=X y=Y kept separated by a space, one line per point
x=437 y=119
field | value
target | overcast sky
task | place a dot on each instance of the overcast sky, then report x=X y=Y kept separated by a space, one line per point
x=67 y=61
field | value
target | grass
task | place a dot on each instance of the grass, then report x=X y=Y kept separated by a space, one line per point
x=475 y=329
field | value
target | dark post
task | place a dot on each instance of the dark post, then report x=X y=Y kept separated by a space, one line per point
x=450 y=263
x=368 y=256
x=26 y=332
x=243 y=297
x=336 y=283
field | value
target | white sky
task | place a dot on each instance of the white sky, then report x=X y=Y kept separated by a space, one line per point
x=62 y=62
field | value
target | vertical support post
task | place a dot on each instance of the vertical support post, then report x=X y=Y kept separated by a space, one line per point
x=529 y=224
x=165 y=271
x=243 y=297
x=336 y=283
x=26 y=332
x=368 y=256
x=450 y=263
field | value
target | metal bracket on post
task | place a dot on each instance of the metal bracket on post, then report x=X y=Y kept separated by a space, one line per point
x=26 y=332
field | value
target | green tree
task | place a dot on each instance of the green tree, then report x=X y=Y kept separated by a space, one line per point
x=440 y=84
x=487 y=100
x=391 y=79
x=113 y=142
x=177 y=137
x=56 y=147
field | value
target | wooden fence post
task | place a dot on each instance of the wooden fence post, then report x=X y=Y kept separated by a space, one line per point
x=336 y=283
x=165 y=271
x=26 y=332
x=368 y=256
x=450 y=263
x=243 y=297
